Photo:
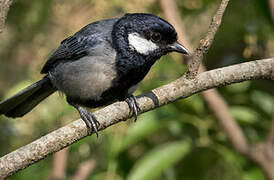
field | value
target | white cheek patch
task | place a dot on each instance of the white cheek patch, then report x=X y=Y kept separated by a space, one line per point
x=140 y=44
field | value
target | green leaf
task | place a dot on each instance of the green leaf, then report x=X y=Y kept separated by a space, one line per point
x=195 y=103
x=264 y=101
x=158 y=159
x=254 y=174
x=146 y=125
x=244 y=114
x=239 y=87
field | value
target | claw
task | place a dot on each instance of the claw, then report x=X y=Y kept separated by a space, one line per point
x=133 y=106
x=88 y=118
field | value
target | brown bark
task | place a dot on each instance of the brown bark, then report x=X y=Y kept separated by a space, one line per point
x=59 y=164
x=229 y=125
x=205 y=43
x=263 y=153
x=170 y=10
x=84 y=170
x=271 y=8
x=4 y=8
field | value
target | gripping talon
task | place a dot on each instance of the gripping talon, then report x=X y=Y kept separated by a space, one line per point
x=133 y=106
x=135 y=102
x=88 y=118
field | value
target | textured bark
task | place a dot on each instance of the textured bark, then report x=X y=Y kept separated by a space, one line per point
x=206 y=42
x=4 y=8
x=119 y=111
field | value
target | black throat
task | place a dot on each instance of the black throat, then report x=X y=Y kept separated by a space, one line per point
x=131 y=66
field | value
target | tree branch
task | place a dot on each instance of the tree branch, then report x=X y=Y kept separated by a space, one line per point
x=263 y=153
x=271 y=8
x=215 y=101
x=271 y=134
x=180 y=88
x=59 y=164
x=170 y=10
x=227 y=122
x=4 y=8
x=206 y=42
x=119 y=111
x=84 y=170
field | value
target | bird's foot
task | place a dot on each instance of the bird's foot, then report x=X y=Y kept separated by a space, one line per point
x=133 y=106
x=90 y=121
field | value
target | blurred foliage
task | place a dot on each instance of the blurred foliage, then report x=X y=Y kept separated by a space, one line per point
x=178 y=141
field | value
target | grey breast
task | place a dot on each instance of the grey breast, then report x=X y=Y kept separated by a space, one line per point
x=89 y=76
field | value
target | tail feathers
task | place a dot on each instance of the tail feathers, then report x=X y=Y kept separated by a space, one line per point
x=25 y=100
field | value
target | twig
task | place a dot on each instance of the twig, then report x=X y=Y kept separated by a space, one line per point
x=227 y=122
x=170 y=10
x=271 y=8
x=84 y=170
x=119 y=111
x=271 y=134
x=59 y=164
x=263 y=153
x=215 y=101
x=4 y=8
x=206 y=42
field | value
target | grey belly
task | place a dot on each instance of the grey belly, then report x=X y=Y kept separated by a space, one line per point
x=86 y=78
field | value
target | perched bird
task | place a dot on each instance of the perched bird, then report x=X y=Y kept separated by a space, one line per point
x=102 y=63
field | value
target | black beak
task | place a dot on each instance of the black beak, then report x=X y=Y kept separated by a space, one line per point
x=176 y=46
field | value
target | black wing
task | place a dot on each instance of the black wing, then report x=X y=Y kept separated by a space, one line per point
x=74 y=47
x=81 y=43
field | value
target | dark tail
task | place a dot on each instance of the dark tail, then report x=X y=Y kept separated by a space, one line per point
x=25 y=100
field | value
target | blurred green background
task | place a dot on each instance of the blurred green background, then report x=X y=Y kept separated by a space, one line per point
x=181 y=140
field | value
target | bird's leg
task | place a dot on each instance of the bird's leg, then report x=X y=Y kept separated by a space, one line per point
x=88 y=118
x=133 y=105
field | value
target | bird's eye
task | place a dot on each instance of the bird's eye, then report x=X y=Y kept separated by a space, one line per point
x=156 y=37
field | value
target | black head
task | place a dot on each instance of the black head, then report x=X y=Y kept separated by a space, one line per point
x=150 y=35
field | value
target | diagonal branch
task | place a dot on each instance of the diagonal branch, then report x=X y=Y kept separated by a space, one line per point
x=170 y=10
x=119 y=111
x=215 y=101
x=84 y=170
x=262 y=153
x=271 y=134
x=206 y=42
x=4 y=8
x=59 y=164
x=220 y=108
x=271 y=8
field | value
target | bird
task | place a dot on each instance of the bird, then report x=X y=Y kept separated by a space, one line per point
x=102 y=63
